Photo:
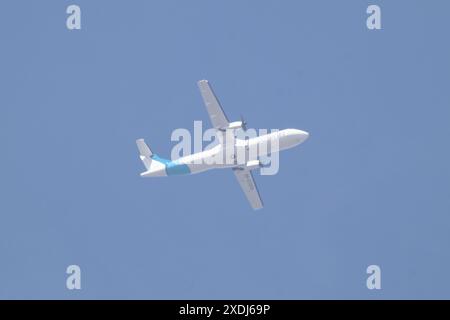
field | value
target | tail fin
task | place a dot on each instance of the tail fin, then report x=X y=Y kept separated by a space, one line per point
x=145 y=153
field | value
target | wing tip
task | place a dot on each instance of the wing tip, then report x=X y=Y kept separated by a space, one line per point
x=203 y=84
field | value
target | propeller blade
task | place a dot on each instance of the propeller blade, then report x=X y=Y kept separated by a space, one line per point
x=244 y=123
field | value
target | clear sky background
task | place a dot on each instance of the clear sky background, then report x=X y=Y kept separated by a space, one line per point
x=370 y=186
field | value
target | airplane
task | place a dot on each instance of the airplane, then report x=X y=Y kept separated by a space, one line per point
x=227 y=143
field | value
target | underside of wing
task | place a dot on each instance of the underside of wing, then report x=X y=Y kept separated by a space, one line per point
x=247 y=183
x=218 y=118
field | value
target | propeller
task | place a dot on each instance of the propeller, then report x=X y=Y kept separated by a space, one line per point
x=244 y=123
x=265 y=161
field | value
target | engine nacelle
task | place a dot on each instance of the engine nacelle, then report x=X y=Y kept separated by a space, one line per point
x=235 y=125
x=253 y=164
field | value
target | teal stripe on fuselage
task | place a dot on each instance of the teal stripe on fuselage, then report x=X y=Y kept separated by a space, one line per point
x=172 y=167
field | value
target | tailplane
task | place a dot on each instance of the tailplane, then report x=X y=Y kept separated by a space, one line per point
x=145 y=153
x=157 y=166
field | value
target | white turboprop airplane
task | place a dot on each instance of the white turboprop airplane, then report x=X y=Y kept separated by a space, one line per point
x=206 y=160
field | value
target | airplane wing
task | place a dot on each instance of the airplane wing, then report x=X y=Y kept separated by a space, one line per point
x=245 y=179
x=218 y=118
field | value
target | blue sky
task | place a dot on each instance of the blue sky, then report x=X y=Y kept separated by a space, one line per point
x=370 y=186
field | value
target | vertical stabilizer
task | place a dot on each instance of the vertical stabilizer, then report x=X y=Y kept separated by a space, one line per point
x=145 y=153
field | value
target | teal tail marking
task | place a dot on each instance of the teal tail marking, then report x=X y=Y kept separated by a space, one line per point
x=172 y=167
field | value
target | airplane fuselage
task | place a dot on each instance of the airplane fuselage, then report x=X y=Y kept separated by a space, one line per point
x=237 y=153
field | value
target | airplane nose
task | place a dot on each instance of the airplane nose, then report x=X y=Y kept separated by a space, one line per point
x=299 y=135
x=305 y=135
